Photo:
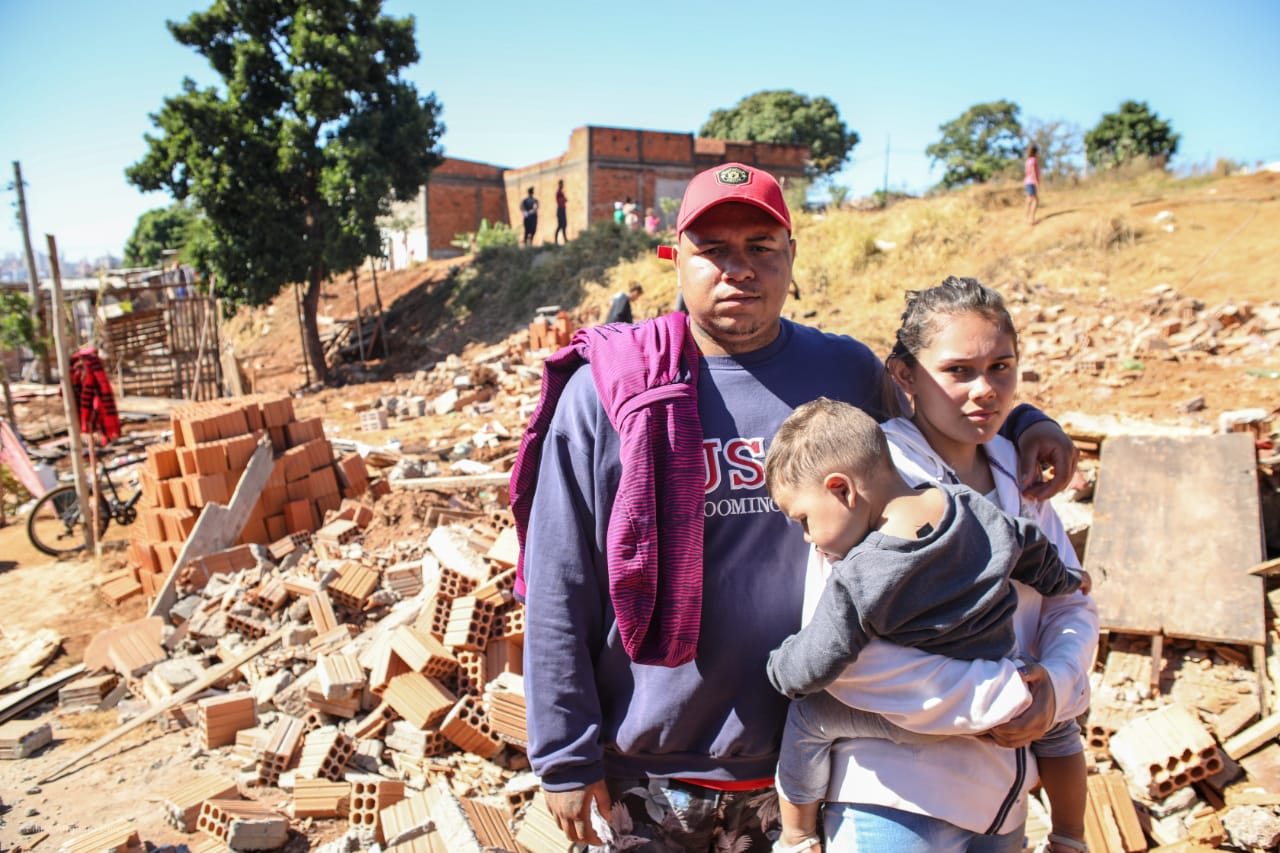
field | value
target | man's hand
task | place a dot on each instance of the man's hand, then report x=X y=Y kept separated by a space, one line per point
x=1045 y=443
x=1037 y=719
x=572 y=810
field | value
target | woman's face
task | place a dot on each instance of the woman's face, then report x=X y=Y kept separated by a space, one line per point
x=964 y=382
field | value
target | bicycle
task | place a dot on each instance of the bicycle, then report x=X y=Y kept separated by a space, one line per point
x=56 y=524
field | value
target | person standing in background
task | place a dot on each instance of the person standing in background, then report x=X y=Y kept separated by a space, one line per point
x=529 y=208
x=620 y=307
x=631 y=214
x=1031 y=181
x=651 y=221
x=562 y=214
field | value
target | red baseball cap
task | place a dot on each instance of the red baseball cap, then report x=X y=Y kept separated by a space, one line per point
x=732 y=182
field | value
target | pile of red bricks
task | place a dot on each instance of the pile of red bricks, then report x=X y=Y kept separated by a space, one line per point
x=544 y=334
x=212 y=444
x=407 y=721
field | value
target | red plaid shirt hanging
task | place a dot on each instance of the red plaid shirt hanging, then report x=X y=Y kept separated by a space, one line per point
x=93 y=395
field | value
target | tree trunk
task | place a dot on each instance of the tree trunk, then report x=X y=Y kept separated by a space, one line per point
x=310 y=308
x=10 y=412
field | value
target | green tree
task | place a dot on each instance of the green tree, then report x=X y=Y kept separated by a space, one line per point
x=17 y=330
x=980 y=144
x=295 y=158
x=1133 y=131
x=782 y=116
x=158 y=229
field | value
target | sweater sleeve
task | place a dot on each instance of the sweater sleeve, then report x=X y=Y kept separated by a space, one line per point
x=1038 y=564
x=812 y=658
x=1022 y=416
x=1066 y=643
x=564 y=613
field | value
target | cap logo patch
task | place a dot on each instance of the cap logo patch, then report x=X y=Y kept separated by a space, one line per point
x=733 y=175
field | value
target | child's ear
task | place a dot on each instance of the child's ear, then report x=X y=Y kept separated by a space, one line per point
x=839 y=486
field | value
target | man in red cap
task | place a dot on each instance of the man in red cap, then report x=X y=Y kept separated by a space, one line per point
x=680 y=755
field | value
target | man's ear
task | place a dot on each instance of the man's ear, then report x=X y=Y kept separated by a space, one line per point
x=839 y=486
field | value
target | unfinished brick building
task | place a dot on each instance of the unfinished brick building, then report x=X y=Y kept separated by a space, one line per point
x=602 y=165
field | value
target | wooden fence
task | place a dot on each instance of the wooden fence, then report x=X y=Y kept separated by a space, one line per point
x=169 y=351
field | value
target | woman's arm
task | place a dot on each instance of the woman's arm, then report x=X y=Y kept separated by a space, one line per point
x=918 y=691
x=931 y=694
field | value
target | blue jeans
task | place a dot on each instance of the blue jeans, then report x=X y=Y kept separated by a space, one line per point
x=855 y=828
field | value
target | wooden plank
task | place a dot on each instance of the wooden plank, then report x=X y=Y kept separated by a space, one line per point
x=1254 y=737
x=16 y=703
x=218 y=526
x=451 y=484
x=1176 y=527
x=1267 y=569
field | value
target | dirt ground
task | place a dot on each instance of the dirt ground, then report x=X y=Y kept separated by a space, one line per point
x=1228 y=241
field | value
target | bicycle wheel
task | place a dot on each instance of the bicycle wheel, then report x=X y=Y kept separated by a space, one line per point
x=56 y=527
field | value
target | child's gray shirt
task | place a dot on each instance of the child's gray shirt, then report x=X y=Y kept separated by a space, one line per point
x=947 y=593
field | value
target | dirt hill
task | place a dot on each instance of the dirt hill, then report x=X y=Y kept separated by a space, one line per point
x=1107 y=267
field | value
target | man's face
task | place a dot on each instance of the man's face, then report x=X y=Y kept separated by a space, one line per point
x=734 y=265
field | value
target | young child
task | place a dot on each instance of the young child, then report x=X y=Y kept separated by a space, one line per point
x=1031 y=181
x=928 y=568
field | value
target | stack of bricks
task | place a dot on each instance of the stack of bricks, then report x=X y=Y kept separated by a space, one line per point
x=325 y=752
x=182 y=807
x=507 y=709
x=410 y=819
x=491 y=823
x=282 y=745
x=544 y=334
x=119 y=835
x=222 y=716
x=212 y=445
x=467 y=727
x=321 y=798
x=20 y=738
x=87 y=691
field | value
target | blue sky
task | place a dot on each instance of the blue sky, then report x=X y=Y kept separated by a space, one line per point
x=80 y=79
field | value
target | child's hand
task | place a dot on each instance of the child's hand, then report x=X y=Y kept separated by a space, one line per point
x=1086 y=582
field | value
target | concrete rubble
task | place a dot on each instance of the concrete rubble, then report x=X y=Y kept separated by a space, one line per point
x=389 y=703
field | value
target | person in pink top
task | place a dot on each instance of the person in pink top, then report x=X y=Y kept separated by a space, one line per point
x=1031 y=181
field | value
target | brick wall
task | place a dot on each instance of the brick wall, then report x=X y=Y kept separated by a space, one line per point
x=460 y=194
x=600 y=166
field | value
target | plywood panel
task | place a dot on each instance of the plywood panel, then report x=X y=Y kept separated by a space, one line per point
x=1176 y=527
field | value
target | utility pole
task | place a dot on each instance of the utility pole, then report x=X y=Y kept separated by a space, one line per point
x=886 y=168
x=33 y=285
x=89 y=512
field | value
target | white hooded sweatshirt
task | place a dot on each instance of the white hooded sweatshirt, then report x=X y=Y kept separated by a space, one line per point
x=969 y=782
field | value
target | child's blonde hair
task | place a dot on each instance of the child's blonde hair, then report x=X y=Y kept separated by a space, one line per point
x=823 y=436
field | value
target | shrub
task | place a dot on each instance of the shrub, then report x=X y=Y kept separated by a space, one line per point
x=487 y=237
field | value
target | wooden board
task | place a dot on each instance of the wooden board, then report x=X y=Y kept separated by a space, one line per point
x=1176 y=528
